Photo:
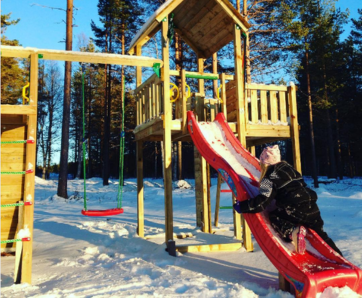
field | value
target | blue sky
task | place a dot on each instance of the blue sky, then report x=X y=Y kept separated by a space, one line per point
x=45 y=28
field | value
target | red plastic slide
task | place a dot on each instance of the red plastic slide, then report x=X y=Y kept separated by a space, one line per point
x=320 y=267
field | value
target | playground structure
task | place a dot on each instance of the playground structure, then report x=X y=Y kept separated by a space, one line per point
x=18 y=141
x=258 y=114
x=255 y=113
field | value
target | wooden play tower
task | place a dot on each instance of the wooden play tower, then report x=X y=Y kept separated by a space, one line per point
x=257 y=114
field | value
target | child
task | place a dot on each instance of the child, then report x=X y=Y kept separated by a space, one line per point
x=296 y=204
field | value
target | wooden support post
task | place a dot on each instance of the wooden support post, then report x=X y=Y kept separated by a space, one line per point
x=241 y=120
x=202 y=211
x=208 y=199
x=201 y=82
x=214 y=70
x=138 y=83
x=238 y=219
x=167 y=135
x=184 y=102
x=140 y=190
x=217 y=205
x=223 y=96
x=29 y=182
x=284 y=285
x=294 y=127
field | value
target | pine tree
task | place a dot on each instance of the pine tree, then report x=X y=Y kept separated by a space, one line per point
x=12 y=75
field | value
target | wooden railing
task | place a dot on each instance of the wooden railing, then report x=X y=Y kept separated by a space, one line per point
x=264 y=104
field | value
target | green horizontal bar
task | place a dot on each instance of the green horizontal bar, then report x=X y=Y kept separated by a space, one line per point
x=12 y=205
x=204 y=76
x=13 y=173
x=13 y=142
x=11 y=241
x=226 y=207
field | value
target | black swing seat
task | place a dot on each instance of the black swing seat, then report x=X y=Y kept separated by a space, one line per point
x=107 y=212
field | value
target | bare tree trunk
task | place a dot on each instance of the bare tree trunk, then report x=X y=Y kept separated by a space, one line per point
x=350 y=162
x=314 y=164
x=339 y=148
x=63 y=169
x=333 y=170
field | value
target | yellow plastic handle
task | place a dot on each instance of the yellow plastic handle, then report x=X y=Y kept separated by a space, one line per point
x=25 y=98
x=173 y=99
x=218 y=93
x=188 y=93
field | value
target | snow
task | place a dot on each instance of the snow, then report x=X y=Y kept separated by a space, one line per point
x=77 y=256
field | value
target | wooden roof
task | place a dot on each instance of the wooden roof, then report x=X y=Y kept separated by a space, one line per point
x=205 y=25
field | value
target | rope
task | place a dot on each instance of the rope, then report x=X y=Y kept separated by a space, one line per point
x=121 y=152
x=83 y=144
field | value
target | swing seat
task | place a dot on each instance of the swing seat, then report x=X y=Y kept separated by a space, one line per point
x=107 y=212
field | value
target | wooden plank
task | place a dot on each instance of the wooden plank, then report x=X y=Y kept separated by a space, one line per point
x=85 y=57
x=254 y=106
x=138 y=83
x=234 y=14
x=12 y=119
x=217 y=204
x=209 y=247
x=13 y=164
x=294 y=127
x=193 y=15
x=240 y=91
x=265 y=87
x=214 y=71
x=190 y=43
x=282 y=107
x=154 y=79
x=270 y=131
x=17 y=110
x=219 y=41
x=205 y=23
x=12 y=180
x=237 y=221
x=273 y=106
x=223 y=95
x=140 y=190
x=284 y=284
x=30 y=178
x=263 y=107
x=167 y=134
x=184 y=101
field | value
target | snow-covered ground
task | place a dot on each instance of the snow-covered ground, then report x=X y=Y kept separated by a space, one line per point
x=77 y=256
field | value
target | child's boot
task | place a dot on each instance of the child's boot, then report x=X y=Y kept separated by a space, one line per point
x=298 y=239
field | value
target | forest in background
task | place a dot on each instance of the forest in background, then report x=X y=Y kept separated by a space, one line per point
x=289 y=40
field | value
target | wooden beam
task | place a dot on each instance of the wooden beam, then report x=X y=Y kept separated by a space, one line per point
x=238 y=220
x=214 y=70
x=184 y=101
x=239 y=82
x=29 y=183
x=167 y=133
x=266 y=87
x=18 y=110
x=217 y=205
x=209 y=247
x=234 y=14
x=294 y=126
x=138 y=68
x=140 y=191
x=86 y=57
